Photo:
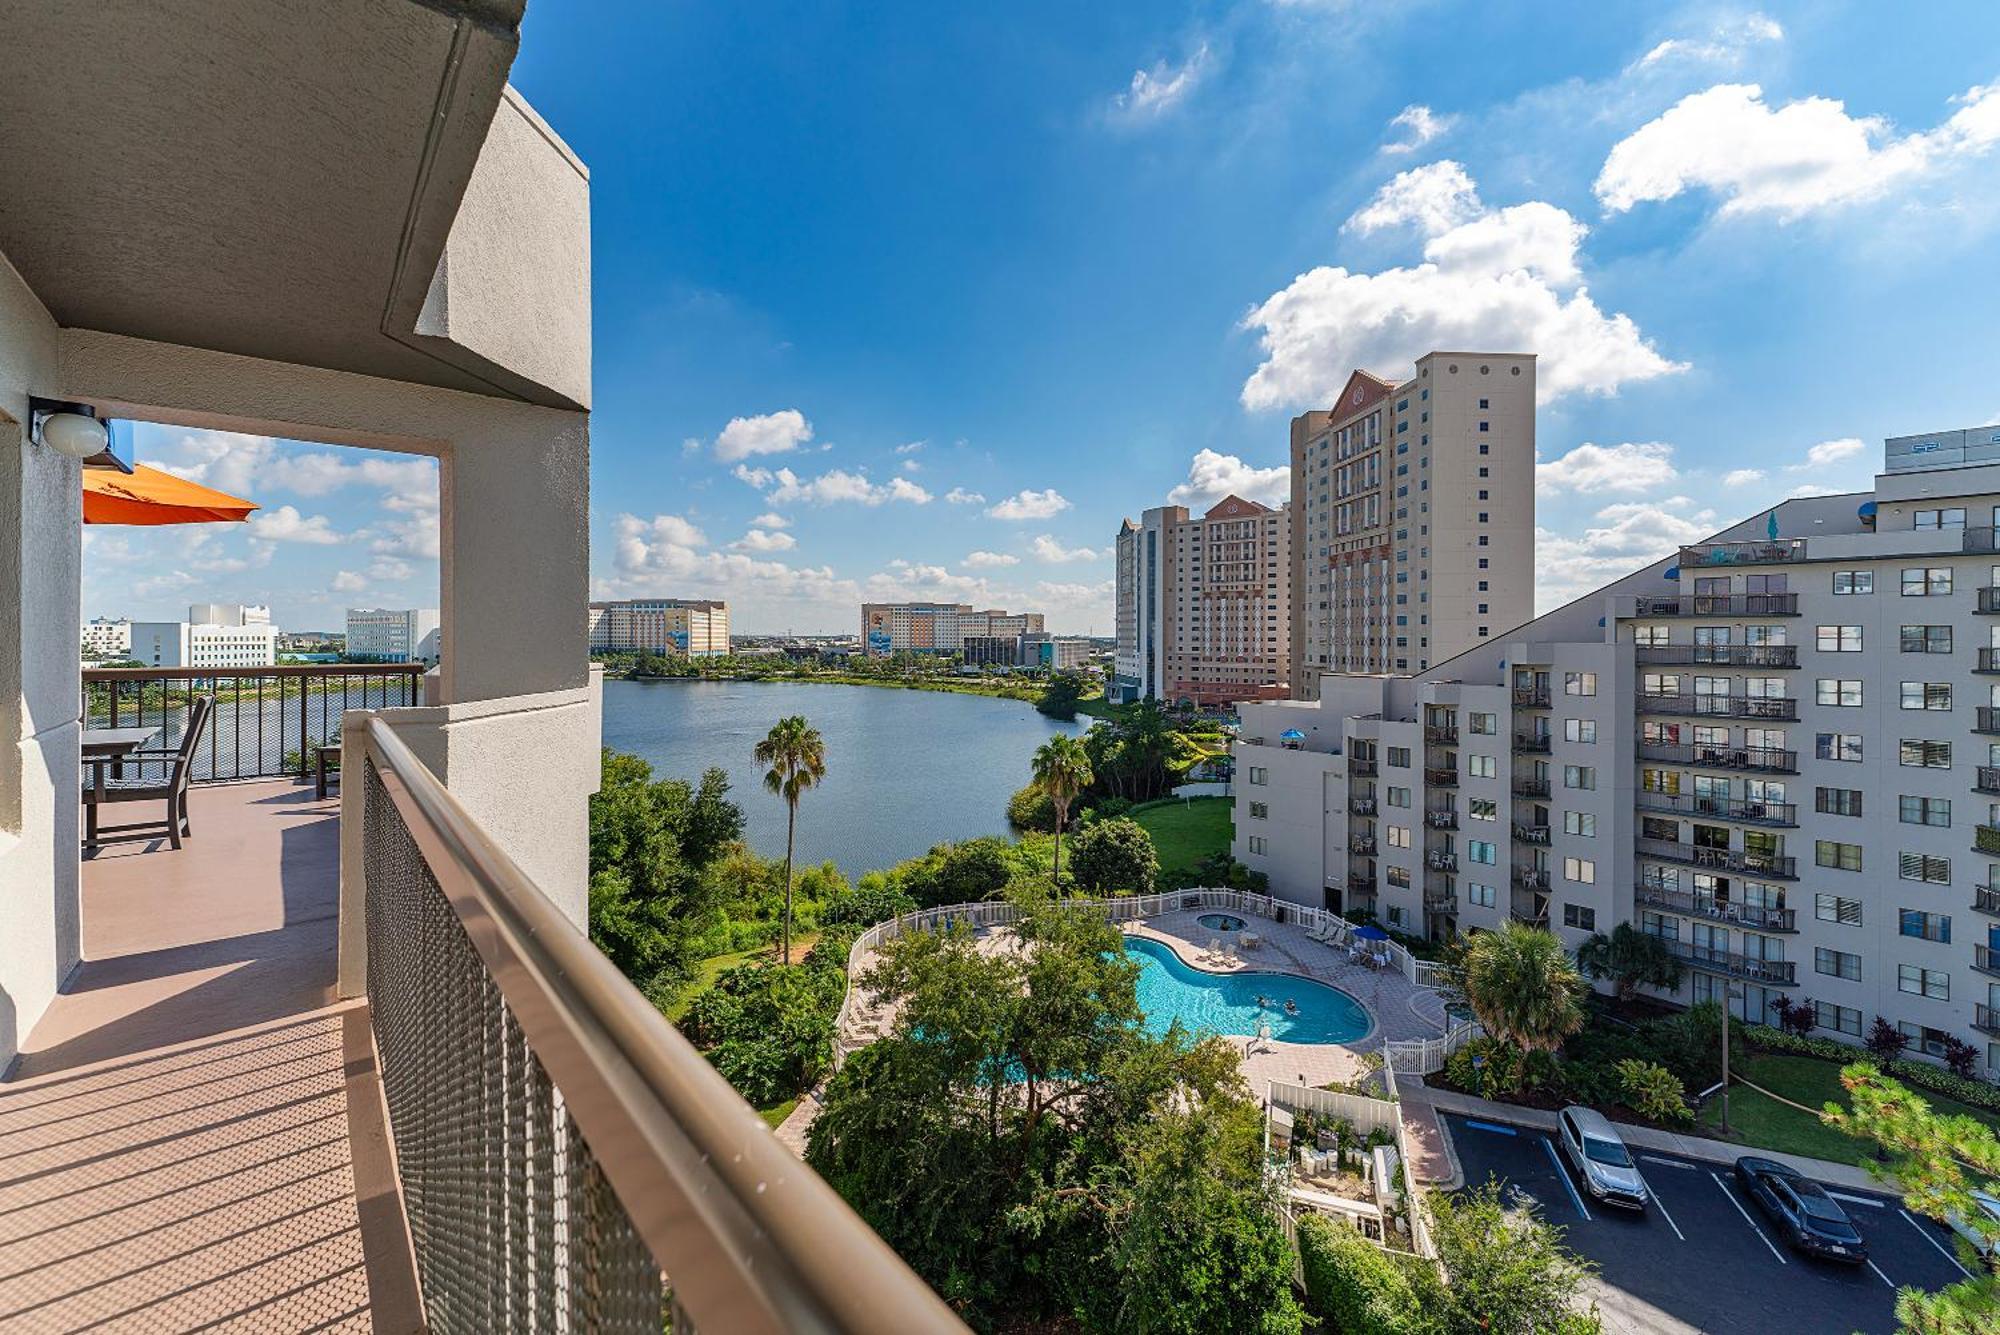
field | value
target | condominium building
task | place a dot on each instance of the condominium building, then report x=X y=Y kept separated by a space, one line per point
x=1778 y=751
x=687 y=627
x=393 y=635
x=937 y=628
x=107 y=637
x=214 y=635
x=1204 y=604
x=1413 y=517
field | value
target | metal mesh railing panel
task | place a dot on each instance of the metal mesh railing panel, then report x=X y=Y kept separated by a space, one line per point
x=514 y=1225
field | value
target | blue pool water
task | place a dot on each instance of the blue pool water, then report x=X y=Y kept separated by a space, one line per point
x=1211 y=1003
x=1221 y=922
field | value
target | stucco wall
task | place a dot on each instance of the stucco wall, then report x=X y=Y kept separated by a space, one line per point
x=40 y=522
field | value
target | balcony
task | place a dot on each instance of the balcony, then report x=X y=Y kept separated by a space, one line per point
x=1361 y=767
x=1720 y=706
x=1440 y=736
x=1364 y=845
x=1772 y=973
x=1532 y=878
x=1719 y=859
x=1441 y=860
x=1444 y=904
x=1441 y=820
x=1986 y=960
x=1779 y=814
x=1778 y=551
x=1721 y=605
x=1986 y=1019
x=1987 y=721
x=1989 y=661
x=1715 y=910
x=1764 y=760
x=1532 y=743
x=1531 y=697
x=1717 y=655
x=1528 y=833
x=1986 y=899
x=1986 y=839
x=1361 y=882
x=1988 y=601
x=1439 y=777
x=1361 y=806
x=1537 y=789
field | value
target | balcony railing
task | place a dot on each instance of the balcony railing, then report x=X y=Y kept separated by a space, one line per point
x=1986 y=839
x=1988 y=601
x=1361 y=767
x=1721 y=605
x=1989 y=660
x=1362 y=844
x=1720 y=706
x=1531 y=878
x=1986 y=899
x=1987 y=720
x=1717 y=655
x=266 y=722
x=1534 y=743
x=1720 y=808
x=1985 y=1018
x=1439 y=860
x=1436 y=735
x=1361 y=806
x=1987 y=960
x=1777 y=551
x=1443 y=904
x=1361 y=882
x=1767 y=760
x=567 y=1159
x=1986 y=779
x=1531 y=697
x=1779 y=973
x=1529 y=833
x=1707 y=906
x=1726 y=859
x=1439 y=777
x=1441 y=820
x=1535 y=788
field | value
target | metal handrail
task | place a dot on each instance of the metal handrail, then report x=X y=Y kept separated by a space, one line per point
x=750 y=1238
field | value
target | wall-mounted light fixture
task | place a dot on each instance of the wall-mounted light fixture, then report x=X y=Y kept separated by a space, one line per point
x=75 y=431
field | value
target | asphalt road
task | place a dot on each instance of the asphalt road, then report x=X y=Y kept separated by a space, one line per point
x=1702 y=1257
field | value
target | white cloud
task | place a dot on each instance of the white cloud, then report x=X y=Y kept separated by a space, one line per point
x=833 y=487
x=390 y=568
x=765 y=540
x=348 y=581
x=960 y=496
x=902 y=489
x=1726 y=44
x=1742 y=477
x=770 y=433
x=247 y=465
x=917 y=580
x=1085 y=607
x=668 y=554
x=989 y=560
x=1505 y=279
x=1156 y=91
x=1046 y=548
x=1211 y=476
x=1804 y=156
x=416 y=536
x=1030 y=505
x=911 y=466
x=286 y=524
x=1593 y=468
x=912 y=447
x=1420 y=125
x=1830 y=452
x=770 y=519
x=1625 y=537
x=1813 y=489
x=756 y=477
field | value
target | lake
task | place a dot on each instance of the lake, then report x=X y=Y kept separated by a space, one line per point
x=904 y=769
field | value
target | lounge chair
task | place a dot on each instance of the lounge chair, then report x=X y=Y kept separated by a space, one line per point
x=169 y=787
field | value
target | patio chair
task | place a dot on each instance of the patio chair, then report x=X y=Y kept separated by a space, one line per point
x=1215 y=945
x=169 y=788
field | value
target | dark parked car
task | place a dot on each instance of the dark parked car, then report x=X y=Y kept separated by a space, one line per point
x=1811 y=1220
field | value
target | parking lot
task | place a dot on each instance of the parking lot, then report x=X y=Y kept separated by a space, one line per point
x=1702 y=1257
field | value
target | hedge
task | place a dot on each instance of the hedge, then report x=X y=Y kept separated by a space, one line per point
x=1923 y=1075
x=1352 y=1285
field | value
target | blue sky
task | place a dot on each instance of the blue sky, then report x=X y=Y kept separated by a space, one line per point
x=859 y=264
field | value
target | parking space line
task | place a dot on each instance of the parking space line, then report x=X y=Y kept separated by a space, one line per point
x=1661 y=1205
x=1671 y=1163
x=1879 y=1275
x=1488 y=1126
x=1575 y=1197
x=1926 y=1234
x=1748 y=1220
x=1857 y=1200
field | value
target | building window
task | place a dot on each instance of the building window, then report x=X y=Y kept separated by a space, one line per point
x=1838 y=639
x=1479 y=896
x=1917 y=754
x=1484 y=808
x=1399 y=878
x=1580 y=917
x=1480 y=767
x=1581 y=870
x=1260 y=810
x=1258 y=844
x=1838 y=746
x=1837 y=801
x=1953 y=517
x=1838 y=692
x=1838 y=856
x=1399 y=756
x=1258 y=775
x=1934 y=984
x=1926 y=581
x=1931 y=1042
x=1482 y=851
x=1398 y=836
x=1925 y=926
x=1926 y=639
x=1934 y=695
x=1399 y=797
x=1840 y=1019
x=1924 y=810
x=1579 y=683
x=1923 y=867
x=1482 y=725
x=1580 y=730
x=1838 y=909
x=1582 y=824
x=1837 y=964
x=1853 y=581
x=1580 y=776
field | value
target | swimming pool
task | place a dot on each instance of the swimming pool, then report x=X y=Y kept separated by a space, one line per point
x=1226 y=1003
x=1221 y=922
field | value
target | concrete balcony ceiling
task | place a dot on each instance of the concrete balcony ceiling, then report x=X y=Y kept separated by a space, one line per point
x=278 y=180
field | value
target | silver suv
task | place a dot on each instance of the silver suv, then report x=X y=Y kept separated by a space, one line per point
x=1600 y=1157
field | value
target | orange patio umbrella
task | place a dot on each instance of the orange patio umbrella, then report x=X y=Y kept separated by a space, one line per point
x=149 y=496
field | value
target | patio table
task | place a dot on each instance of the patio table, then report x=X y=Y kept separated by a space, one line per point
x=115 y=742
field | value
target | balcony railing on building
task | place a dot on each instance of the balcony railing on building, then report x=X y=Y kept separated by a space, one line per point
x=1711 y=959
x=1776 y=551
x=1438 y=777
x=1531 y=878
x=1444 y=903
x=1988 y=601
x=1768 y=760
x=1361 y=882
x=1986 y=779
x=1693 y=805
x=1361 y=766
x=1717 y=655
x=1989 y=660
x=1721 y=605
x=1722 y=859
x=1533 y=788
x=1717 y=910
x=1986 y=839
x=1361 y=806
x=1987 y=720
x=1719 y=706
x=1441 y=819
x=1986 y=899
x=1362 y=844
x=1986 y=1019
x=1440 y=735
x=1533 y=743
x=1440 y=860
x=1530 y=833
x=1531 y=697
x=1987 y=960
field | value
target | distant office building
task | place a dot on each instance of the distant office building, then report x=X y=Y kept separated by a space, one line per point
x=1204 y=604
x=993 y=650
x=393 y=635
x=1413 y=517
x=107 y=637
x=214 y=635
x=937 y=628
x=1046 y=651
x=685 y=627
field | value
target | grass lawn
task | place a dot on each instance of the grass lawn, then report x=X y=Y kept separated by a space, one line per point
x=1766 y=1124
x=712 y=968
x=1186 y=832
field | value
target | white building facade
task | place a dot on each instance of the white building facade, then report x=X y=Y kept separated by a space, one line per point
x=214 y=635
x=107 y=637
x=686 y=627
x=399 y=635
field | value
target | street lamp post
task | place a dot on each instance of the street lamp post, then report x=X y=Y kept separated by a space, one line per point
x=1730 y=993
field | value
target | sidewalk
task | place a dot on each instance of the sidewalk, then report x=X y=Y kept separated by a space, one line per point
x=1415 y=1092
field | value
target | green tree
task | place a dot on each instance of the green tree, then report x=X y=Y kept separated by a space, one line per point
x=1938 y=1162
x=796 y=757
x=1062 y=770
x=1112 y=855
x=1352 y=1285
x=1060 y=696
x=962 y=873
x=1631 y=959
x=1508 y=1272
x=1522 y=987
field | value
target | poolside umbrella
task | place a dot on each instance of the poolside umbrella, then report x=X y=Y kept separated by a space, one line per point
x=1371 y=932
x=149 y=496
x=1291 y=735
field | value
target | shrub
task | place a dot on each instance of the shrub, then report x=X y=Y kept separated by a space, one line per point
x=1486 y=1066
x=1030 y=809
x=1959 y=1056
x=876 y=899
x=1114 y=854
x=1652 y=1091
x=1589 y=1081
x=1794 y=1017
x=1885 y=1040
x=1352 y=1285
x=1922 y=1074
x=1690 y=1044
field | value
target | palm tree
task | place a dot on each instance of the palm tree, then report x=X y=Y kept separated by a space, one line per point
x=1522 y=987
x=1062 y=771
x=797 y=759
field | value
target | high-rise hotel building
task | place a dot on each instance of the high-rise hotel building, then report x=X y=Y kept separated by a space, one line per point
x=1777 y=751
x=1204 y=604
x=686 y=627
x=1413 y=517
x=937 y=628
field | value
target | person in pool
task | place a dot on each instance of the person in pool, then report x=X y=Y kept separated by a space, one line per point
x=1262 y=1001
x=1291 y=1007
